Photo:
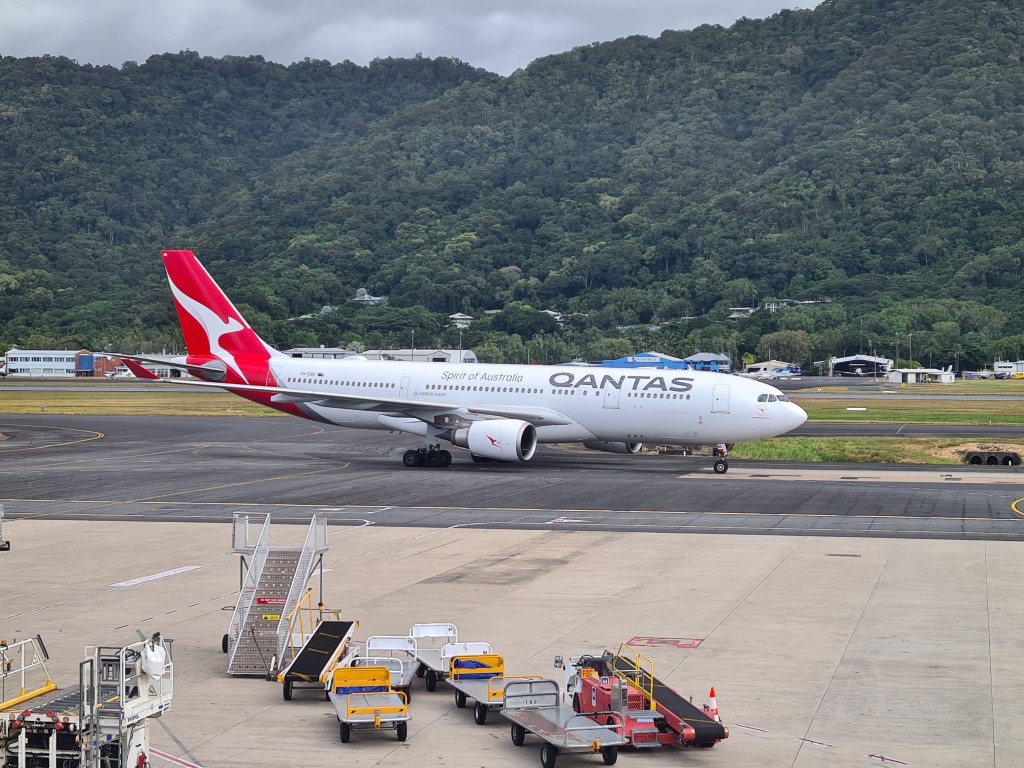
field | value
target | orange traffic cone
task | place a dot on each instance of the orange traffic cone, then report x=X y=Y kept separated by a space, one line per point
x=713 y=706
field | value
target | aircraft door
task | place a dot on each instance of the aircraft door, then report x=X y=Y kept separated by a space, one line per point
x=720 y=399
x=611 y=397
x=404 y=391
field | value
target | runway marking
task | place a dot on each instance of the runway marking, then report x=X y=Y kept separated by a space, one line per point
x=156 y=576
x=95 y=436
x=156 y=502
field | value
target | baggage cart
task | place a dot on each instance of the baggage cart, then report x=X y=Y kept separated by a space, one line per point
x=435 y=660
x=364 y=700
x=482 y=679
x=535 y=706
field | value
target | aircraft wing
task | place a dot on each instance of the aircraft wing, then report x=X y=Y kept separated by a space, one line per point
x=419 y=409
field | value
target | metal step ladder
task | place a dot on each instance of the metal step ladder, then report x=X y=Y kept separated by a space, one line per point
x=271 y=586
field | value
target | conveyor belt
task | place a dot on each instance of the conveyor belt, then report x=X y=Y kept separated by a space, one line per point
x=63 y=701
x=706 y=728
x=322 y=645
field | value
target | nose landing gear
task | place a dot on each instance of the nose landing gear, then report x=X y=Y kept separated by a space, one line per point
x=721 y=453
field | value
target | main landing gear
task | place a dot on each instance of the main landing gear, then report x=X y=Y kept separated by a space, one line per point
x=721 y=453
x=421 y=457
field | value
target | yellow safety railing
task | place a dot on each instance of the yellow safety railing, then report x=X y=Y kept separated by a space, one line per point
x=637 y=669
x=304 y=618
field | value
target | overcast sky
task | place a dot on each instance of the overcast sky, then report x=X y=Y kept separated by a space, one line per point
x=498 y=35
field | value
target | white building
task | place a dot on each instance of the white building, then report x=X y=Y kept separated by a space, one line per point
x=460 y=320
x=920 y=376
x=62 y=363
x=422 y=355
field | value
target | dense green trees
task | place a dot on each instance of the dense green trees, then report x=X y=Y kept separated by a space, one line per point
x=864 y=152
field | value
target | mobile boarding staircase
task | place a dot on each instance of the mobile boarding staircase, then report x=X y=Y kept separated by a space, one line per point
x=5 y=546
x=273 y=581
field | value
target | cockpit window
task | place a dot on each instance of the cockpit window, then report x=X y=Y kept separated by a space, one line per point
x=762 y=398
x=783 y=399
x=771 y=398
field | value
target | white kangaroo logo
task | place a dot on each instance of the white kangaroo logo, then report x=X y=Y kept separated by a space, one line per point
x=215 y=327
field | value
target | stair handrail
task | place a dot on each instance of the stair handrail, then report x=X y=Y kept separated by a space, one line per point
x=247 y=594
x=315 y=543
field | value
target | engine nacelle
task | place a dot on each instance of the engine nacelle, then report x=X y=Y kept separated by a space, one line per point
x=499 y=439
x=602 y=445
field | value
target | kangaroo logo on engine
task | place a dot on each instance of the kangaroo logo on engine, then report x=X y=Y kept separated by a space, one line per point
x=630 y=382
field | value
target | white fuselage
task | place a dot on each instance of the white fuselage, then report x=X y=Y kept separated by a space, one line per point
x=677 y=407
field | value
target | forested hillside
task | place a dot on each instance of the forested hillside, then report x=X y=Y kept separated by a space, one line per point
x=865 y=155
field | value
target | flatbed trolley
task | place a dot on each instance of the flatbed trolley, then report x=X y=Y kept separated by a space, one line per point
x=434 y=660
x=481 y=678
x=535 y=706
x=364 y=700
x=397 y=653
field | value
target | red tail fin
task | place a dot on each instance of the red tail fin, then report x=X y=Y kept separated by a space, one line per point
x=213 y=328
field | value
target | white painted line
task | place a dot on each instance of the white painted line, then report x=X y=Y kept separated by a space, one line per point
x=173 y=759
x=155 y=576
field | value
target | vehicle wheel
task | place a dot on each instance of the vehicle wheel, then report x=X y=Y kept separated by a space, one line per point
x=548 y=755
x=402 y=731
x=431 y=680
x=411 y=458
x=421 y=670
x=445 y=458
x=575 y=702
x=480 y=713
x=609 y=755
x=518 y=734
x=721 y=467
x=224 y=643
x=706 y=744
x=287 y=690
x=346 y=733
x=460 y=699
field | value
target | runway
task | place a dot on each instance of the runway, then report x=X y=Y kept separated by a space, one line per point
x=203 y=469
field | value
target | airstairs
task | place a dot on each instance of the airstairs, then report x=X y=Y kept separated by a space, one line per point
x=273 y=580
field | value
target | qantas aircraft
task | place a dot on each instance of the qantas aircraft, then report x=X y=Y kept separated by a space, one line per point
x=497 y=412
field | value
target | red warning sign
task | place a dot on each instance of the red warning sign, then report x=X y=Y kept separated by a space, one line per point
x=269 y=601
x=665 y=642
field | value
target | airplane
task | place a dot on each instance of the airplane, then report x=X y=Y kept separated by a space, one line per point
x=499 y=413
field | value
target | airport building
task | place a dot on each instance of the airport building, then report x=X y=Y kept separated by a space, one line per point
x=59 y=363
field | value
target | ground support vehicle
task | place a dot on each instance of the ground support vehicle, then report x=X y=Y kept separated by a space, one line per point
x=535 y=706
x=480 y=678
x=321 y=652
x=103 y=721
x=397 y=653
x=435 y=660
x=5 y=546
x=364 y=700
x=653 y=715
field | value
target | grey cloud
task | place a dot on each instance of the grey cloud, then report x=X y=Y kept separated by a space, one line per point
x=494 y=34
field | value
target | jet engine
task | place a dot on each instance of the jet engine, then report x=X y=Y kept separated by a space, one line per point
x=499 y=439
x=602 y=445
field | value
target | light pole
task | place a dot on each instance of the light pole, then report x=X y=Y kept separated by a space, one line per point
x=412 y=347
x=910 y=349
x=897 y=349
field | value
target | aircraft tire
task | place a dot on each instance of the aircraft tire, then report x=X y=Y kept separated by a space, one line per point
x=411 y=458
x=445 y=457
x=721 y=467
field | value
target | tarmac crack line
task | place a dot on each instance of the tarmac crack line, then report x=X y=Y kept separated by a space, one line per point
x=839 y=661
